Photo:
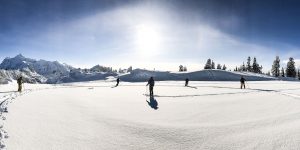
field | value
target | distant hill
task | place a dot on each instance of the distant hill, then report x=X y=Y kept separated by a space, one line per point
x=140 y=75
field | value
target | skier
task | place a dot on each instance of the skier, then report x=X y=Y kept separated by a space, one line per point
x=242 y=80
x=118 y=80
x=151 y=85
x=187 y=82
x=20 y=81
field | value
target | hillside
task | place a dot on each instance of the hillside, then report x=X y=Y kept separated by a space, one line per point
x=140 y=75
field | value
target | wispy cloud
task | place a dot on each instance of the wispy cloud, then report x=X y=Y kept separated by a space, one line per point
x=145 y=36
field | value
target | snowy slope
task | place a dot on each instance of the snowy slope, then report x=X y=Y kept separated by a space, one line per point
x=216 y=115
x=140 y=75
x=42 y=71
x=7 y=76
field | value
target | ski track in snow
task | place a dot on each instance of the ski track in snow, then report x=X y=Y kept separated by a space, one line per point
x=5 y=100
x=13 y=95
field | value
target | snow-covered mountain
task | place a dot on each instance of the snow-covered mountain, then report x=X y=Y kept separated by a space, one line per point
x=48 y=69
x=28 y=76
x=42 y=71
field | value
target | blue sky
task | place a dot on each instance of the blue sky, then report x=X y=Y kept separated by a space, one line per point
x=159 y=34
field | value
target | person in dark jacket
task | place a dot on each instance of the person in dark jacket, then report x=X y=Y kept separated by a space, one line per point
x=242 y=80
x=187 y=82
x=151 y=85
x=20 y=82
x=118 y=80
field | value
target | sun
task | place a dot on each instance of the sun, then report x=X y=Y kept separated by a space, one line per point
x=147 y=40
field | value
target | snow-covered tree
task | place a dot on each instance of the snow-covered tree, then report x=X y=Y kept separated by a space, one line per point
x=224 y=67
x=120 y=70
x=213 y=65
x=208 y=64
x=299 y=74
x=249 y=67
x=180 y=68
x=290 y=68
x=243 y=67
x=129 y=69
x=184 y=68
x=276 y=67
x=282 y=72
x=255 y=67
x=219 y=66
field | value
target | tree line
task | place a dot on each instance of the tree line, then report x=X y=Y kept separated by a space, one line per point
x=290 y=70
x=252 y=65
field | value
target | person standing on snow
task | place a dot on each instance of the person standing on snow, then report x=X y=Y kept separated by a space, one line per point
x=187 y=82
x=242 y=80
x=20 y=82
x=118 y=80
x=151 y=85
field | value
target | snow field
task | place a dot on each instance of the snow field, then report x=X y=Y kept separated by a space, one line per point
x=216 y=115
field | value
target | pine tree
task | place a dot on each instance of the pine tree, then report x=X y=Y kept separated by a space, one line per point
x=255 y=66
x=276 y=67
x=244 y=67
x=249 y=67
x=298 y=74
x=219 y=66
x=224 y=67
x=120 y=70
x=129 y=69
x=282 y=72
x=184 y=68
x=290 y=69
x=208 y=64
x=180 y=68
x=213 y=65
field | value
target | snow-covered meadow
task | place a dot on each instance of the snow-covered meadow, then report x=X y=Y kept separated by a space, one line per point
x=208 y=115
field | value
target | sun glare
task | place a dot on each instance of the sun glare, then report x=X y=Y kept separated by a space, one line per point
x=148 y=40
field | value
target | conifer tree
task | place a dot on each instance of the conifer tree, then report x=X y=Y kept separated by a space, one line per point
x=208 y=64
x=290 y=68
x=224 y=67
x=282 y=72
x=213 y=65
x=276 y=67
x=249 y=67
x=255 y=66
x=219 y=66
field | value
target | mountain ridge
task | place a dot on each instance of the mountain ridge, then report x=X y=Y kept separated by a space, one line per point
x=52 y=72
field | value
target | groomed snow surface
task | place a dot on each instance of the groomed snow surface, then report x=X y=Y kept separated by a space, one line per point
x=94 y=116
